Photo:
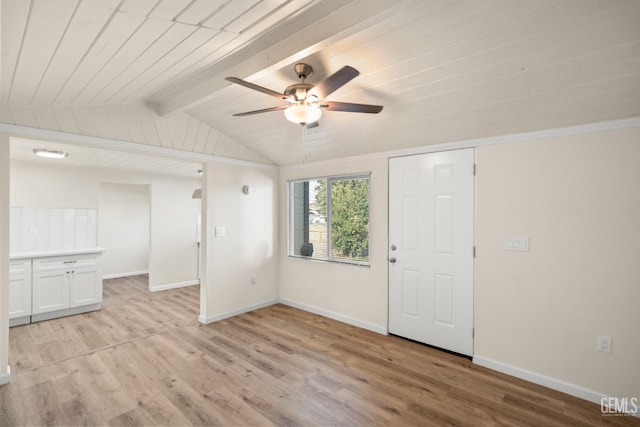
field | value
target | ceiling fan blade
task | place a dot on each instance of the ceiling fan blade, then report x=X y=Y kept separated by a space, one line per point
x=313 y=125
x=256 y=87
x=352 y=108
x=264 y=110
x=334 y=82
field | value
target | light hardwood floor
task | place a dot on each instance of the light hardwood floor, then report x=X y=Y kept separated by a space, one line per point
x=145 y=360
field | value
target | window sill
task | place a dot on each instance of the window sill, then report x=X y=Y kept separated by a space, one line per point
x=333 y=261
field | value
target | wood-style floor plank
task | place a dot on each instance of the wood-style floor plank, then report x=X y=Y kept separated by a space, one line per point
x=145 y=360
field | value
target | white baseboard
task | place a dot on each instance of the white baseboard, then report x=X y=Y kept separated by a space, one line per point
x=553 y=383
x=336 y=316
x=218 y=317
x=131 y=273
x=168 y=286
x=6 y=378
x=300 y=306
x=543 y=380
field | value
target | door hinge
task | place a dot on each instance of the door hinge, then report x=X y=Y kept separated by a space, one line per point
x=474 y=251
x=474 y=169
x=473 y=332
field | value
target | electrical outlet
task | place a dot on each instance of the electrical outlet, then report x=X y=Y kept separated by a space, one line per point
x=252 y=280
x=604 y=344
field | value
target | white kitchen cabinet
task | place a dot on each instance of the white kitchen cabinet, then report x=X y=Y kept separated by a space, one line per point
x=61 y=285
x=50 y=290
x=61 y=289
x=19 y=292
x=85 y=286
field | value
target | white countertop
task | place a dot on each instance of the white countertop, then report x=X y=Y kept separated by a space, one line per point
x=55 y=252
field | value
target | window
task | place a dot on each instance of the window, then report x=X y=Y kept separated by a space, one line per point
x=329 y=219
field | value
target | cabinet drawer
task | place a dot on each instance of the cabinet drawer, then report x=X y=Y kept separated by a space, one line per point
x=61 y=263
x=20 y=266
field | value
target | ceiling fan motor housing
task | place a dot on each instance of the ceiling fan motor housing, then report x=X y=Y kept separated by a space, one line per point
x=302 y=70
x=298 y=91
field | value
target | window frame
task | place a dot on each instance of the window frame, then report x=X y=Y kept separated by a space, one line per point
x=290 y=220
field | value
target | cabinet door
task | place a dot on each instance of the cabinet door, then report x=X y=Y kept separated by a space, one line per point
x=19 y=295
x=19 y=288
x=85 y=286
x=50 y=291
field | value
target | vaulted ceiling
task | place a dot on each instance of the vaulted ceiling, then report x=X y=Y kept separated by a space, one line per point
x=445 y=70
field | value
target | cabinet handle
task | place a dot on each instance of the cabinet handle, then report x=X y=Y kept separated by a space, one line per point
x=70 y=262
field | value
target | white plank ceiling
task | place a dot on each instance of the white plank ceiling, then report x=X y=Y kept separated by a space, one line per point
x=445 y=70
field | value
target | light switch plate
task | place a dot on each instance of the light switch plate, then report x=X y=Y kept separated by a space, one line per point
x=517 y=243
x=220 y=231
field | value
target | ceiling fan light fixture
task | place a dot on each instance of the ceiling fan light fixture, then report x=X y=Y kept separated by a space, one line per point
x=303 y=114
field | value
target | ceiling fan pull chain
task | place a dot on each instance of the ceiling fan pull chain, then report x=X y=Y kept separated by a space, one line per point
x=304 y=142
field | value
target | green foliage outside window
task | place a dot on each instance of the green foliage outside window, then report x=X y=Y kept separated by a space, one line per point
x=349 y=216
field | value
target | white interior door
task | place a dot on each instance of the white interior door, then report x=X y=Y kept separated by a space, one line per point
x=431 y=212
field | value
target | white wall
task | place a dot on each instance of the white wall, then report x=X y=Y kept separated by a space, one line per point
x=123 y=216
x=4 y=258
x=39 y=185
x=173 y=251
x=540 y=312
x=348 y=292
x=578 y=198
x=250 y=246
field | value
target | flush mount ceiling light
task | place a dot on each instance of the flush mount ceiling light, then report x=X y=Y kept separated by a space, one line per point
x=50 y=154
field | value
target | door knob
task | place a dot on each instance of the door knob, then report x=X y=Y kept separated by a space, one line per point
x=392 y=260
x=393 y=247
